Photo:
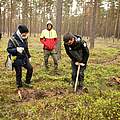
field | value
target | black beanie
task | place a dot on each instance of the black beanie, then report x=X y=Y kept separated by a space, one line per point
x=23 y=29
x=68 y=36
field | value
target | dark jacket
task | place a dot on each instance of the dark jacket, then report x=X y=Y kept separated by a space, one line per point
x=12 y=50
x=78 y=51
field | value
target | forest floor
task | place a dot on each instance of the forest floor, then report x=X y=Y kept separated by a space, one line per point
x=52 y=97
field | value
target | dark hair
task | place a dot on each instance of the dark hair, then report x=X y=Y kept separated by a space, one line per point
x=23 y=29
x=49 y=24
x=68 y=36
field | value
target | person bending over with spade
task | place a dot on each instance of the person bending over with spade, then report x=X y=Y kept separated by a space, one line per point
x=77 y=50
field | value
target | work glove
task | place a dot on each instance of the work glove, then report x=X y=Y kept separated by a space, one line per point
x=77 y=63
x=20 y=49
x=30 y=59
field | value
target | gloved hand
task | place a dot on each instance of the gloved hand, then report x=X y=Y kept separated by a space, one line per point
x=82 y=64
x=77 y=63
x=30 y=59
x=20 y=49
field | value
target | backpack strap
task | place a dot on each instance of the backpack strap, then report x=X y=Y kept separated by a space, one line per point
x=14 y=41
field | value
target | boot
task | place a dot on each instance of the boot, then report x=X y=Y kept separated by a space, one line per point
x=19 y=84
x=28 y=85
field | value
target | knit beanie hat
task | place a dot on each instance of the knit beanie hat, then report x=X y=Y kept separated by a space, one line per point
x=68 y=36
x=23 y=29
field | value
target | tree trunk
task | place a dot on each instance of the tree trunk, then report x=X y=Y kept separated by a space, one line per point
x=43 y=17
x=4 y=20
x=58 y=25
x=30 y=19
x=0 y=19
x=93 y=21
x=11 y=17
x=19 y=21
x=25 y=12
x=116 y=30
x=35 y=18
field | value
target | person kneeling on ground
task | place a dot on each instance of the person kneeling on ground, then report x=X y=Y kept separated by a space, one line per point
x=18 y=48
x=77 y=50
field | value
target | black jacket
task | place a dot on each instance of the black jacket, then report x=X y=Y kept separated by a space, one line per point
x=78 y=51
x=12 y=50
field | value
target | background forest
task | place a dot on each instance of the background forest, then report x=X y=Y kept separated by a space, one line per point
x=91 y=18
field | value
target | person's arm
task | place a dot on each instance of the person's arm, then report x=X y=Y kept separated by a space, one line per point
x=73 y=54
x=85 y=51
x=42 y=37
x=42 y=40
x=27 y=50
x=11 y=48
x=67 y=50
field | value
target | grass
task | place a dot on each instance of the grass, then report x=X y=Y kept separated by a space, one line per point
x=53 y=97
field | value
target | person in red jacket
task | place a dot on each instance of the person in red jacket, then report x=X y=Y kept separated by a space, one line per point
x=48 y=38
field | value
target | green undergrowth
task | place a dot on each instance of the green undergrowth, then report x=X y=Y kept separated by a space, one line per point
x=59 y=102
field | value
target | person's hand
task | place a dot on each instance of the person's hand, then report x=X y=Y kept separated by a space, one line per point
x=20 y=49
x=44 y=38
x=77 y=63
x=30 y=59
x=82 y=64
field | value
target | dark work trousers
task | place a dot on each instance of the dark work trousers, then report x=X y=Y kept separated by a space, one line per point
x=52 y=53
x=18 y=70
x=81 y=74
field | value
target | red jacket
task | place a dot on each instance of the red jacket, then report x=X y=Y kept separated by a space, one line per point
x=49 y=43
x=49 y=39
